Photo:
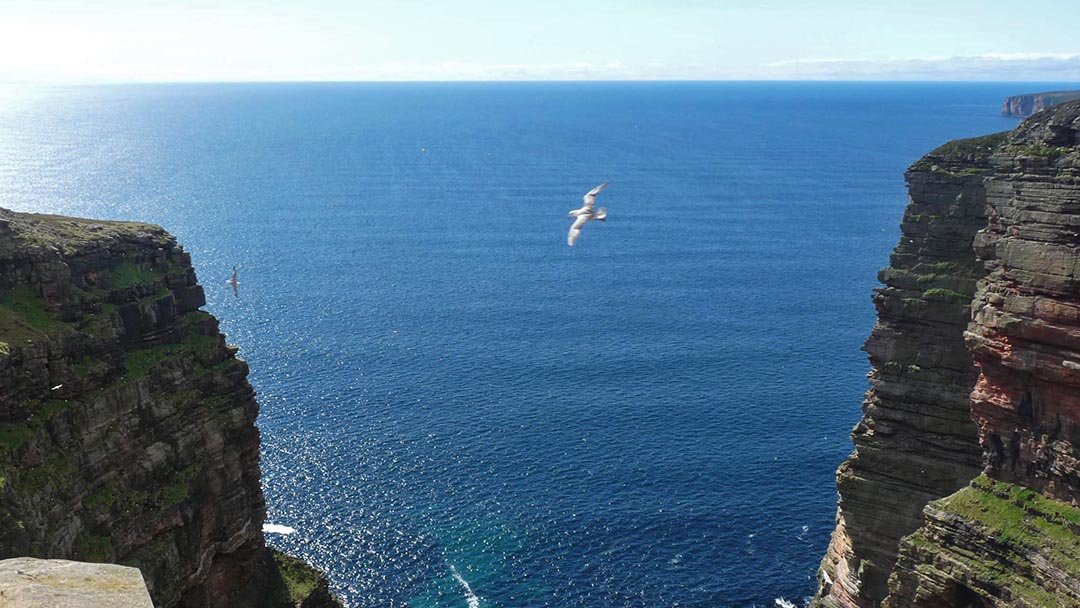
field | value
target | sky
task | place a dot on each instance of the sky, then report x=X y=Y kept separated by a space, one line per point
x=65 y=41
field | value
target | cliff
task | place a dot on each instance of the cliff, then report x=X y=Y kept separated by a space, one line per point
x=127 y=428
x=965 y=479
x=1026 y=105
x=915 y=442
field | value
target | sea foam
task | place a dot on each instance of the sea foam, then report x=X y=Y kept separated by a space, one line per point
x=470 y=597
x=277 y=529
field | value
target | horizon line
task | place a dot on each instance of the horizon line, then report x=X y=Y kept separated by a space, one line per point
x=60 y=83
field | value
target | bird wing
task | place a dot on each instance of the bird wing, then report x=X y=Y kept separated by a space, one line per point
x=590 y=198
x=575 y=229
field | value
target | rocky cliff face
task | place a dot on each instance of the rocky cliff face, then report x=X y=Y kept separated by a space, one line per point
x=1013 y=537
x=1010 y=536
x=916 y=441
x=1026 y=105
x=126 y=423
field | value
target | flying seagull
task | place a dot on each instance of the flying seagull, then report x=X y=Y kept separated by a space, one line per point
x=586 y=214
x=235 y=282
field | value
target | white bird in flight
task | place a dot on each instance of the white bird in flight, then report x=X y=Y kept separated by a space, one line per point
x=235 y=282
x=586 y=214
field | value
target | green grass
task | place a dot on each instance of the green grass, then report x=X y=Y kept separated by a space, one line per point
x=158 y=497
x=944 y=294
x=13 y=436
x=1039 y=150
x=51 y=409
x=967 y=151
x=139 y=362
x=1029 y=501
x=1023 y=523
x=1022 y=518
x=300 y=578
x=180 y=488
x=204 y=347
x=103 y=499
x=970 y=171
x=963 y=149
x=88 y=367
x=71 y=234
x=24 y=315
x=130 y=274
x=93 y=548
x=57 y=470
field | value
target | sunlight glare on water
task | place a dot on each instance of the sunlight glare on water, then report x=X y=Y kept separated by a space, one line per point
x=460 y=410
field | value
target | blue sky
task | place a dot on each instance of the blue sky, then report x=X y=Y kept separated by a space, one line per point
x=245 y=40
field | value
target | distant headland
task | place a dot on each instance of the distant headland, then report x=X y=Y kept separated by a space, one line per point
x=1026 y=105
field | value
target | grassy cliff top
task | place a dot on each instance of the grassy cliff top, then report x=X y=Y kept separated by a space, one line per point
x=24 y=232
x=1055 y=126
x=962 y=156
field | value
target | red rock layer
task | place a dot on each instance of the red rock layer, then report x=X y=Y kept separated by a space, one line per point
x=1025 y=332
x=1012 y=538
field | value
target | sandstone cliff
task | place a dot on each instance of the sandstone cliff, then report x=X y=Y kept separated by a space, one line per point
x=1026 y=105
x=937 y=511
x=127 y=428
x=916 y=441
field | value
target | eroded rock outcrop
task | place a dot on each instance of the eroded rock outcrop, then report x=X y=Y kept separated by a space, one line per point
x=127 y=428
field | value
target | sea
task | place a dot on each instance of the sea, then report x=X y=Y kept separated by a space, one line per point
x=460 y=410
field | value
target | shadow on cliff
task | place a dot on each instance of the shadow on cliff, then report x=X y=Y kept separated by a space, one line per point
x=284 y=581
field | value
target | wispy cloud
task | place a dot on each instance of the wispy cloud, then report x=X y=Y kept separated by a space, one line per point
x=988 y=66
x=135 y=71
x=461 y=70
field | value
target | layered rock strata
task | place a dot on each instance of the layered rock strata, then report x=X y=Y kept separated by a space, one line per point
x=915 y=442
x=1026 y=105
x=1012 y=538
x=127 y=428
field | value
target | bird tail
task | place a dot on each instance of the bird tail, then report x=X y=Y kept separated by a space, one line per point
x=601 y=215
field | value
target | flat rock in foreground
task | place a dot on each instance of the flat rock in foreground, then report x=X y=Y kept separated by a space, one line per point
x=55 y=583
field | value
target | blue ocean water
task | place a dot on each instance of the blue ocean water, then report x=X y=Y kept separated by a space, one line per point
x=458 y=409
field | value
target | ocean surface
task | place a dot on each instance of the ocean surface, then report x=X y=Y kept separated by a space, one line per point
x=460 y=410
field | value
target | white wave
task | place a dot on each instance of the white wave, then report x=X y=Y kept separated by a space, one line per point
x=470 y=597
x=782 y=603
x=277 y=529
